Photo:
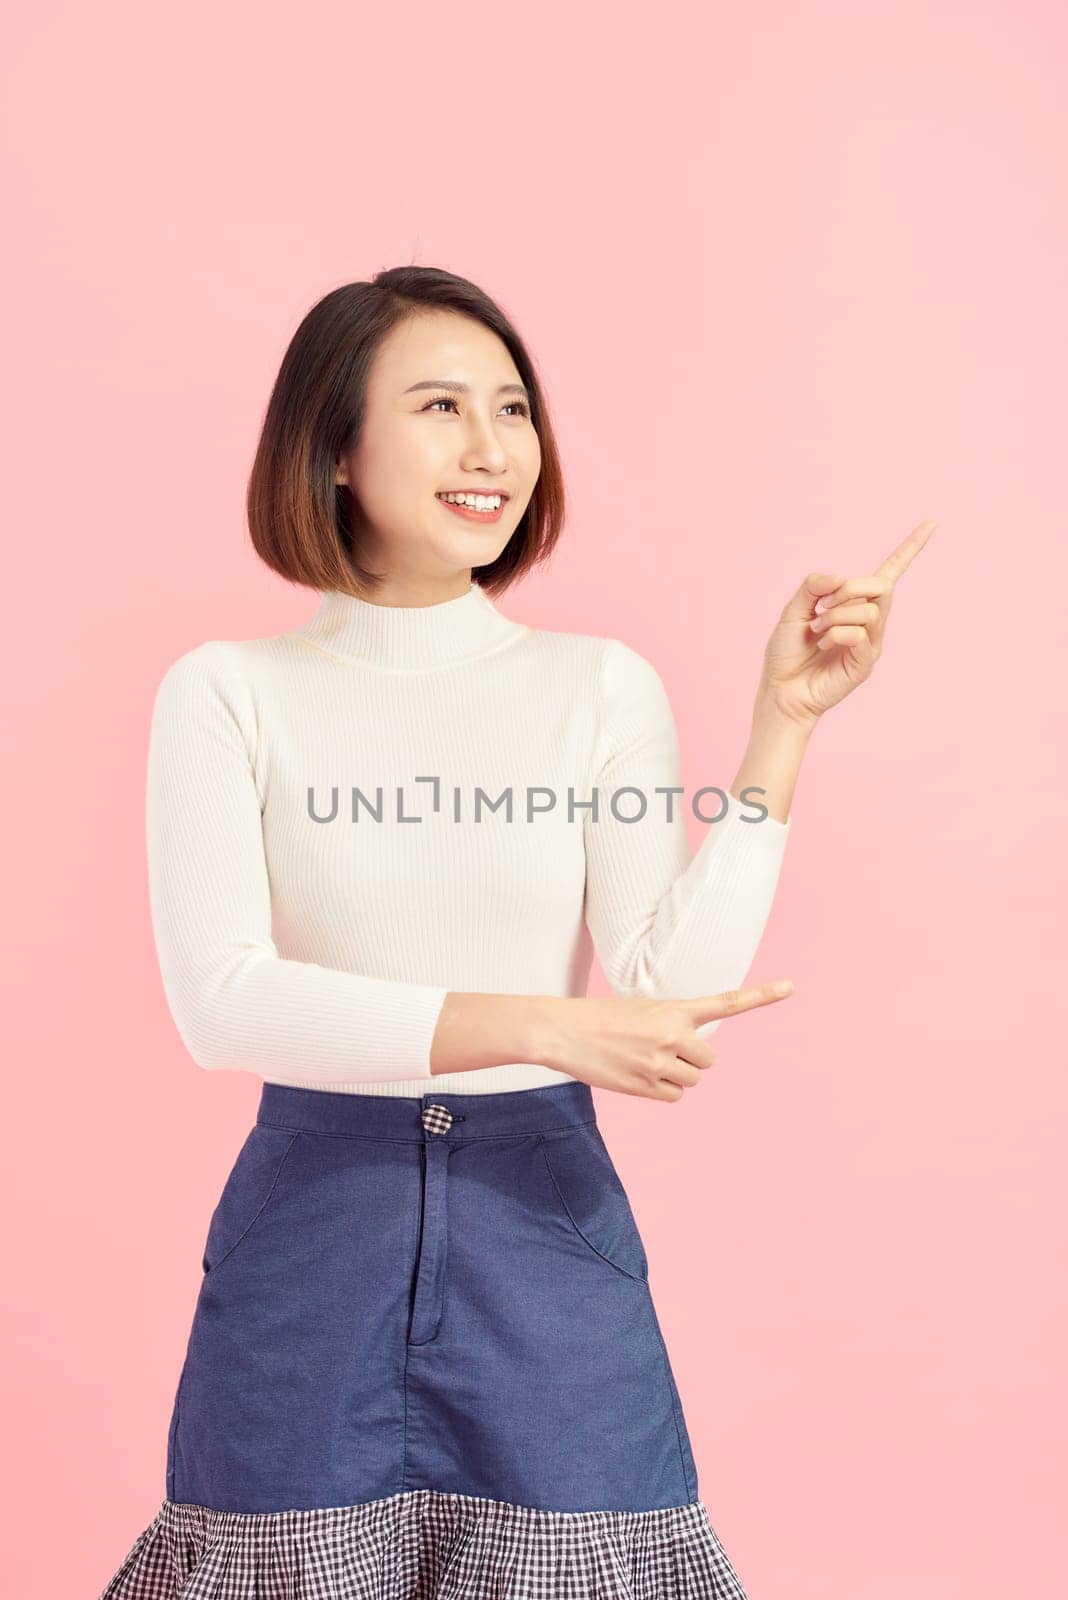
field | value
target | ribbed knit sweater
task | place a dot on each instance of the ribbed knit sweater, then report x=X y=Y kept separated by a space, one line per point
x=349 y=820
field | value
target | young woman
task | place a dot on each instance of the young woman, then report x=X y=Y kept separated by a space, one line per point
x=383 y=847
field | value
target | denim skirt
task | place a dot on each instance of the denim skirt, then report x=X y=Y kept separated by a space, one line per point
x=425 y=1364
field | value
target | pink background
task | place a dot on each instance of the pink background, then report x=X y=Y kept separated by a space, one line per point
x=795 y=279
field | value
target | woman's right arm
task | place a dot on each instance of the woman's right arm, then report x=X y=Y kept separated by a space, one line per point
x=235 y=1001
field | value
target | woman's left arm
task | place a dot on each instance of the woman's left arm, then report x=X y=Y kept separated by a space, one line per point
x=665 y=921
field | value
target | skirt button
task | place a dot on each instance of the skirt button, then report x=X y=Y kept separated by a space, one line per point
x=437 y=1119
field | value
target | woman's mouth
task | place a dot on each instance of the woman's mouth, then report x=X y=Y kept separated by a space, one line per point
x=477 y=508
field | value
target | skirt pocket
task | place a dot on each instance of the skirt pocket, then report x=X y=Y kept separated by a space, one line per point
x=592 y=1198
x=247 y=1192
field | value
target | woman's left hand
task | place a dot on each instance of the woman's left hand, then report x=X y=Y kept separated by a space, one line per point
x=812 y=659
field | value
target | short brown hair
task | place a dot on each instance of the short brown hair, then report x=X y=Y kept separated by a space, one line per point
x=298 y=514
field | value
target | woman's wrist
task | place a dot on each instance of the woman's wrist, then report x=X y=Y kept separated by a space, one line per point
x=773 y=756
x=772 y=722
x=490 y=1030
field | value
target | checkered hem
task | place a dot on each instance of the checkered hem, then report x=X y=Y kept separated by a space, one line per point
x=430 y=1545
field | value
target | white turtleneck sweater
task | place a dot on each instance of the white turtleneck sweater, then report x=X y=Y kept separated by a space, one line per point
x=311 y=936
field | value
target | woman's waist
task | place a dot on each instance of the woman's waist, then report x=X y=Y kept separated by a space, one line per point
x=394 y=1115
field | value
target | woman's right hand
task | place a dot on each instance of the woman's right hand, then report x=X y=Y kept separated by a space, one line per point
x=639 y=1046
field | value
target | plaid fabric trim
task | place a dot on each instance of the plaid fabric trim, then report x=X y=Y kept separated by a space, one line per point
x=427 y=1545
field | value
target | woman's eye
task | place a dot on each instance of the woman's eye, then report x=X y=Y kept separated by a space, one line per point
x=450 y=400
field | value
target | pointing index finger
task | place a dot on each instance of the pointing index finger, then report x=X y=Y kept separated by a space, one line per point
x=899 y=560
x=711 y=1007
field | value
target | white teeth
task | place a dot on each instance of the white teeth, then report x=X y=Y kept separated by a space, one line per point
x=477 y=502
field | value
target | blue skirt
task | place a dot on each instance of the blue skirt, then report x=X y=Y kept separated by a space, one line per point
x=425 y=1364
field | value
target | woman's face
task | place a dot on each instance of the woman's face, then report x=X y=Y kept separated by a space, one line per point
x=419 y=442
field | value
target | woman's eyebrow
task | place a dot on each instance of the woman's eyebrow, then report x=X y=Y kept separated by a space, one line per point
x=465 y=388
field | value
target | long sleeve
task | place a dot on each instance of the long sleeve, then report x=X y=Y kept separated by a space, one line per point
x=236 y=1003
x=666 y=921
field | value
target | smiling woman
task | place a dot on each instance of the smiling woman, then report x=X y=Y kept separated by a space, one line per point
x=471 y=428
x=424 y=1361
x=360 y=438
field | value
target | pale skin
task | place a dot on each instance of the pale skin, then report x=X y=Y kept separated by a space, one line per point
x=416 y=443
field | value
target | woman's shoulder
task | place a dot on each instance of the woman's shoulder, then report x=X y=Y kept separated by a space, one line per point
x=610 y=655
x=218 y=683
x=233 y=661
x=618 y=666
